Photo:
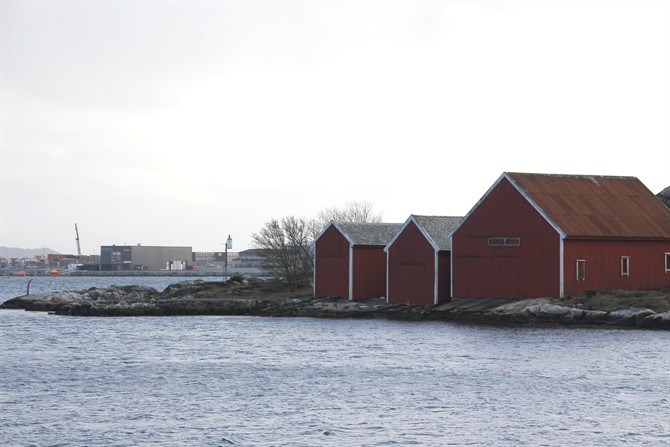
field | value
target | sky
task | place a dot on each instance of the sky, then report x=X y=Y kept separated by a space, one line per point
x=182 y=122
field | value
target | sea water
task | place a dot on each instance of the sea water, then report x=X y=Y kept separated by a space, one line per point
x=251 y=381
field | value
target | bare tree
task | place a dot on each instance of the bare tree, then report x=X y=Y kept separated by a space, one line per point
x=287 y=249
x=287 y=243
x=352 y=212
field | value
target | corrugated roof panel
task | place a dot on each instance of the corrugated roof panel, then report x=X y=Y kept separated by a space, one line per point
x=597 y=206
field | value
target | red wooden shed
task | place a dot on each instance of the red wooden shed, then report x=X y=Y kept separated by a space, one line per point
x=419 y=261
x=545 y=235
x=349 y=259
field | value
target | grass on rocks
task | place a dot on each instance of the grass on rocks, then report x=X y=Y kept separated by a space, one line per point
x=610 y=300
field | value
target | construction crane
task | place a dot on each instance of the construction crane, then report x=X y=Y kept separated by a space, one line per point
x=78 y=246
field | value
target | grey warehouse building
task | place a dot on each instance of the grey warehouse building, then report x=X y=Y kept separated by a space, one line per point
x=139 y=257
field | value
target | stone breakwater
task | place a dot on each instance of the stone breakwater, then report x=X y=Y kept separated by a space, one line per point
x=217 y=298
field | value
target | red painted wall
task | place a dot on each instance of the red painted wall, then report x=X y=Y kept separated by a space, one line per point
x=331 y=265
x=444 y=277
x=603 y=265
x=369 y=272
x=530 y=270
x=411 y=268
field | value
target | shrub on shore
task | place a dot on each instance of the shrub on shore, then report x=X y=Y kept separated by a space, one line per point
x=611 y=300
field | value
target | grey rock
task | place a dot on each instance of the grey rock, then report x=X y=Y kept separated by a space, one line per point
x=656 y=321
x=595 y=316
x=628 y=317
x=217 y=298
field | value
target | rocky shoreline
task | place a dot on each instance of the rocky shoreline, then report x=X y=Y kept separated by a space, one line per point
x=197 y=297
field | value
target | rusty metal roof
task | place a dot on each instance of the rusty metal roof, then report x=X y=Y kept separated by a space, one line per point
x=595 y=206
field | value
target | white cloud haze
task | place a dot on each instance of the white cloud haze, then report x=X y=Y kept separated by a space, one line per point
x=178 y=123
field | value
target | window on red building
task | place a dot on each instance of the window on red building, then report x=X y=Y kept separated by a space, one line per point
x=504 y=241
x=581 y=269
x=625 y=265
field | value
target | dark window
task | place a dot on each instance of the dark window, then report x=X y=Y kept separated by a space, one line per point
x=581 y=269
x=667 y=262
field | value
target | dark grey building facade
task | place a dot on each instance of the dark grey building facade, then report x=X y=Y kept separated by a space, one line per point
x=139 y=257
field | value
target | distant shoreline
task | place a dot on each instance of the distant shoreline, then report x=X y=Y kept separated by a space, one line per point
x=273 y=299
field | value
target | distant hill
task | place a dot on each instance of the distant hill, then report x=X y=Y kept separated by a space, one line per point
x=13 y=252
x=664 y=196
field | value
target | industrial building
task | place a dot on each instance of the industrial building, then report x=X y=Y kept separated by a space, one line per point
x=139 y=257
x=253 y=258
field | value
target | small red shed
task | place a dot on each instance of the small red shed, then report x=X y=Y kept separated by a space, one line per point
x=545 y=235
x=349 y=259
x=419 y=261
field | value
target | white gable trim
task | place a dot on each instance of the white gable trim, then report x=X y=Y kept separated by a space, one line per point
x=387 y=276
x=344 y=233
x=561 y=234
x=435 y=281
x=397 y=234
x=436 y=250
x=472 y=210
x=423 y=231
x=351 y=254
x=426 y=235
x=561 y=269
x=323 y=230
x=351 y=271
x=451 y=271
x=506 y=176
x=534 y=205
x=336 y=224
x=523 y=193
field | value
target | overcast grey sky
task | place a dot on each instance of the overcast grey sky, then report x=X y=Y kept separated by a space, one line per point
x=178 y=123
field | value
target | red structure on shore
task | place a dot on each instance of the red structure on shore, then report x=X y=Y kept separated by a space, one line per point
x=349 y=260
x=419 y=261
x=544 y=235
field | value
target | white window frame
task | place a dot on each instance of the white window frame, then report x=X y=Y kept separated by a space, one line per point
x=583 y=262
x=625 y=266
x=504 y=241
x=667 y=262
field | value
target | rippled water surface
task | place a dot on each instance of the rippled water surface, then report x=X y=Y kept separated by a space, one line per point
x=246 y=381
